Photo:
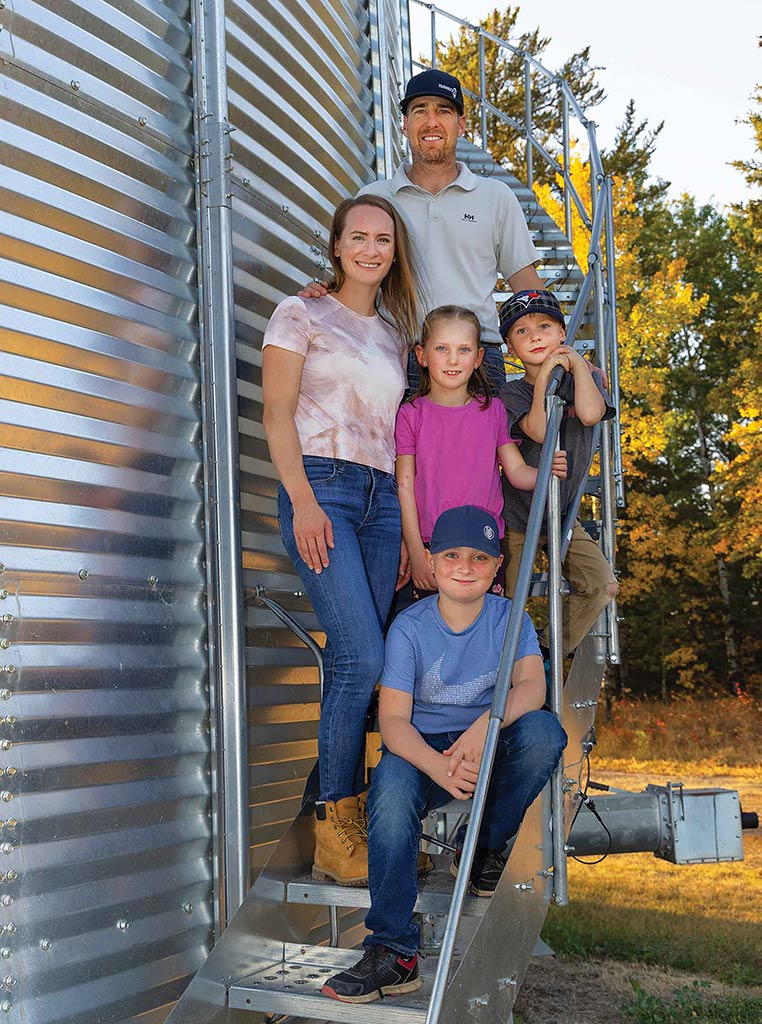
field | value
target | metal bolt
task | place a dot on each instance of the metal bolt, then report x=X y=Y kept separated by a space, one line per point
x=246 y=182
x=284 y=208
x=6 y=1007
x=6 y=953
x=11 y=928
x=7 y=901
x=507 y=982
x=5 y=744
x=6 y=848
x=11 y=876
x=9 y=981
x=75 y=85
x=3 y=594
x=9 y=669
x=477 y=1002
x=316 y=232
x=188 y=908
x=569 y=849
x=153 y=580
x=8 y=617
x=558 y=899
x=122 y=924
x=10 y=719
x=524 y=887
x=10 y=770
x=45 y=945
x=5 y=694
x=5 y=643
x=11 y=823
x=83 y=574
x=142 y=121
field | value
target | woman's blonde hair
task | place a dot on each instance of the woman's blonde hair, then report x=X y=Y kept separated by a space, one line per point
x=478 y=383
x=398 y=295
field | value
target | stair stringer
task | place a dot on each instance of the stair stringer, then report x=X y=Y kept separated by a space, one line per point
x=257 y=934
x=495 y=961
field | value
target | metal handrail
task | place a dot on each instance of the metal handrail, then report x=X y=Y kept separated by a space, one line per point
x=502 y=686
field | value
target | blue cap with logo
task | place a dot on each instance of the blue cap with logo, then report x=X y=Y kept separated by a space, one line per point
x=466 y=527
x=433 y=82
x=529 y=301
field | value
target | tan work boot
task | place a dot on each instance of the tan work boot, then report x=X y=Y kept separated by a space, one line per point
x=341 y=842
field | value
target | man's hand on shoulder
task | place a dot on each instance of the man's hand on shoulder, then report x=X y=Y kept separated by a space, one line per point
x=314 y=290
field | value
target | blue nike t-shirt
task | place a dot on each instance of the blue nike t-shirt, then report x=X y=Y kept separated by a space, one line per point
x=450 y=675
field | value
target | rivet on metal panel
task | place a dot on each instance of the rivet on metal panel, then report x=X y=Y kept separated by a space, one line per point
x=5 y=796
x=9 y=981
x=11 y=876
x=317 y=232
x=122 y=924
x=45 y=945
x=284 y=208
x=558 y=899
x=12 y=823
x=188 y=908
x=3 y=594
x=142 y=121
x=11 y=928
x=507 y=982
x=5 y=744
x=7 y=901
x=10 y=719
x=7 y=618
x=246 y=182
x=153 y=580
x=75 y=85
x=5 y=643
x=9 y=668
x=83 y=574
x=6 y=848
x=10 y=770
x=6 y=1007
x=6 y=953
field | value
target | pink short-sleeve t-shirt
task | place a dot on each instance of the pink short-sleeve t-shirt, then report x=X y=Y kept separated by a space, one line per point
x=455 y=450
x=353 y=379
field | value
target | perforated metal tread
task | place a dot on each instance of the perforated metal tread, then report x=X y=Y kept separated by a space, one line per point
x=292 y=985
x=434 y=894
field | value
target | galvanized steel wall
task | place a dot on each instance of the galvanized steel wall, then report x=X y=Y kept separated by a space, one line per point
x=300 y=92
x=106 y=825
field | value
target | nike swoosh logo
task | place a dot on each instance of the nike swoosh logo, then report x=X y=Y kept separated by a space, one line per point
x=435 y=691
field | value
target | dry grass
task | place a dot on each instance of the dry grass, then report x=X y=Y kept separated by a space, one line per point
x=705 y=919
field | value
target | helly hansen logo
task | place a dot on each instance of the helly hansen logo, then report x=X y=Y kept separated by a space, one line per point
x=469 y=217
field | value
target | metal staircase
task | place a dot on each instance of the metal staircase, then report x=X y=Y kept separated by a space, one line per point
x=286 y=939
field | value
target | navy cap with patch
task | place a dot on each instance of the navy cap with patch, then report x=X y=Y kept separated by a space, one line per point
x=433 y=82
x=529 y=301
x=466 y=527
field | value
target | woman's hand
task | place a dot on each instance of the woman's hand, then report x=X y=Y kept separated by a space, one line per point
x=403 y=573
x=313 y=533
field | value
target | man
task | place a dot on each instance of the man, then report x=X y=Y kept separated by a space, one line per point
x=466 y=229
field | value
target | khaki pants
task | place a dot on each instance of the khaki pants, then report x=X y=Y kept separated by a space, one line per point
x=586 y=570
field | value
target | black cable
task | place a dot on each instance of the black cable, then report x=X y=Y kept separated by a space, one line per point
x=590 y=804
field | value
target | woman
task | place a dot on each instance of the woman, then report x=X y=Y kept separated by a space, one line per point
x=333 y=375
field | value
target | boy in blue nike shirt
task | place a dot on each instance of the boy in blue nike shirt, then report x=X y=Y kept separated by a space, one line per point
x=439 y=675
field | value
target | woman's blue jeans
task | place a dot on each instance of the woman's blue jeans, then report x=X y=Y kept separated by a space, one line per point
x=351 y=598
x=401 y=796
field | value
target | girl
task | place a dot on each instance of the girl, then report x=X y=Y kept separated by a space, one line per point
x=333 y=375
x=451 y=439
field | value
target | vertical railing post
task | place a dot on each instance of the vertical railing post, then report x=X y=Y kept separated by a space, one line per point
x=221 y=477
x=555 y=616
x=567 y=162
x=528 y=120
x=386 y=164
x=483 y=91
x=613 y=337
x=433 y=38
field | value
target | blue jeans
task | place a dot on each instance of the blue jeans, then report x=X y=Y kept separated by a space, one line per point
x=401 y=796
x=351 y=598
x=493 y=366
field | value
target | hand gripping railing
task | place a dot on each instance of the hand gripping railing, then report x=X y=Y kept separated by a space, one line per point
x=545 y=487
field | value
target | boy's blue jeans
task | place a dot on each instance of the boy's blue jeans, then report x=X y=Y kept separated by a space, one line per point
x=401 y=796
x=351 y=599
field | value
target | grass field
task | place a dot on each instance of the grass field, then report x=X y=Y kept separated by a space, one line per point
x=705 y=920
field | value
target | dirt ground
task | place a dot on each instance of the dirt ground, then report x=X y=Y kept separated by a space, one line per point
x=591 y=992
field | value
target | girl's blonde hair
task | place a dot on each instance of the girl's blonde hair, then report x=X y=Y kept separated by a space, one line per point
x=478 y=384
x=397 y=302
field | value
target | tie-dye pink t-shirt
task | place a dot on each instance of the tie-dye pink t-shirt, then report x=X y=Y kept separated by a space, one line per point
x=352 y=383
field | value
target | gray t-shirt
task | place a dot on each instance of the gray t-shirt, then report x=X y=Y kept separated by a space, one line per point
x=463 y=237
x=575 y=438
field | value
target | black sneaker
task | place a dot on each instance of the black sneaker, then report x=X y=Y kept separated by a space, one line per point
x=380 y=972
x=485 y=871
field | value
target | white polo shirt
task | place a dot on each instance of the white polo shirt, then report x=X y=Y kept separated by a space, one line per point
x=462 y=237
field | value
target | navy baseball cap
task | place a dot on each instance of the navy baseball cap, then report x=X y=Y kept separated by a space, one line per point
x=433 y=82
x=529 y=301
x=466 y=527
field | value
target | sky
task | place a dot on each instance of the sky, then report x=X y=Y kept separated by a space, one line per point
x=680 y=61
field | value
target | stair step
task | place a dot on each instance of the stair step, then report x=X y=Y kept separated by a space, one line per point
x=434 y=894
x=292 y=985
